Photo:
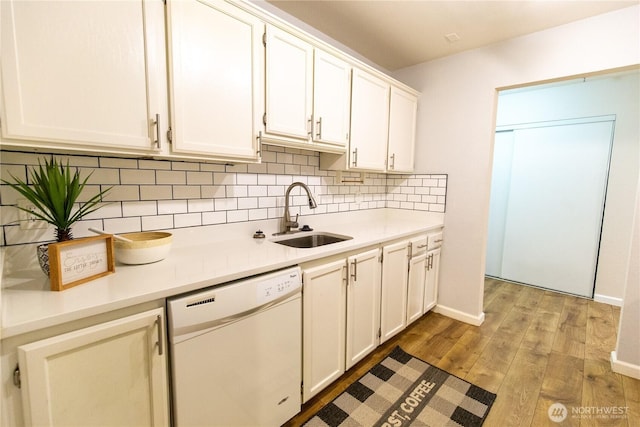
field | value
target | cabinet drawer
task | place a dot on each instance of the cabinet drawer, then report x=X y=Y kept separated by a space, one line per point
x=434 y=240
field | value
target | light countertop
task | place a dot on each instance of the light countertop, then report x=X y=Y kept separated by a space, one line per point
x=199 y=257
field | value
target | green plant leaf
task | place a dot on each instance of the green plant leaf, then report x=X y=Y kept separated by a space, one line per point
x=54 y=191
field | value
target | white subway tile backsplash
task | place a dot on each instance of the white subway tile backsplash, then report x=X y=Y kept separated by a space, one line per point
x=157 y=222
x=110 y=162
x=156 y=192
x=199 y=178
x=142 y=208
x=238 y=216
x=210 y=218
x=187 y=220
x=101 y=175
x=275 y=168
x=227 y=204
x=171 y=177
x=247 y=203
x=122 y=225
x=172 y=207
x=247 y=179
x=154 y=164
x=186 y=192
x=137 y=176
x=185 y=166
x=161 y=194
x=258 y=214
x=213 y=191
x=223 y=178
x=123 y=193
x=200 y=205
x=256 y=190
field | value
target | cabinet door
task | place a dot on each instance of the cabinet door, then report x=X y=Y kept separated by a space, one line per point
x=416 y=288
x=431 y=282
x=363 y=306
x=109 y=374
x=393 y=304
x=216 y=79
x=83 y=75
x=369 y=122
x=324 y=321
x=331 y=99
x=403 y=108
x=289 y=63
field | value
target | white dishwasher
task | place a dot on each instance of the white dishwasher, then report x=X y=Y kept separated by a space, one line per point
x=236 y=352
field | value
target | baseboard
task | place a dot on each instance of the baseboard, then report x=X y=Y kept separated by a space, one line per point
x=624 y=368
x=459 y=315
x=608 y=300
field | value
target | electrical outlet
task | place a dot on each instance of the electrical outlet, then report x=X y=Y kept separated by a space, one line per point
x=29 y=221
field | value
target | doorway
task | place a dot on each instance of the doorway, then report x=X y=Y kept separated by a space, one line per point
x=547 y=200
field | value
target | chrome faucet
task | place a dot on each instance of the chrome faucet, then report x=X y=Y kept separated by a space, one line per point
x=287 y=223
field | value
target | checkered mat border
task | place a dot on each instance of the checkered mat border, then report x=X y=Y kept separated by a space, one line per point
x=403 y=390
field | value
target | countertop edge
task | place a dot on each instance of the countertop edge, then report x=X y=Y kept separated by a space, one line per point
x=19 y=327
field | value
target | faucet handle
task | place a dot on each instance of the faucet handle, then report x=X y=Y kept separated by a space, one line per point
x=295 y=221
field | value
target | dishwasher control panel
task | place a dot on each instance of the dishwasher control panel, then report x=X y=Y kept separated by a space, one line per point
x=275 y=287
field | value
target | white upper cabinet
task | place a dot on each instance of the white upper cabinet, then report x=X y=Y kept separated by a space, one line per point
x=307 y=94
x=216 y=79
x=331 y=99
x=369 y=122
x=85 y=75
x=289 y=64
x=402 y=130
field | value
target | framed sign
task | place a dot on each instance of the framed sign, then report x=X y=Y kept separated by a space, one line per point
x=78 y=261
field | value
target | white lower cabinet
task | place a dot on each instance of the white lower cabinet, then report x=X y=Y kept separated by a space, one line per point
x=324 y=301
x=417 y=276
x=341 y=317
x=434 y=243
x=363 y=305
x=431 y=280
x=113 y=373
x=393 y=304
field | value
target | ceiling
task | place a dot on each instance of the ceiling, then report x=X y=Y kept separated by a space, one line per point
x=399 y=33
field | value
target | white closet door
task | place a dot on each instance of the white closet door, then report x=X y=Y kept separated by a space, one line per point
x=500 y=180
x=555 y=206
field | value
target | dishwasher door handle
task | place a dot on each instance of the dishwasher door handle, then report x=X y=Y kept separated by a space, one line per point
x=232 y=318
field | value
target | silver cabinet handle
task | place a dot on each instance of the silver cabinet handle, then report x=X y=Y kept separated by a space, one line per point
x=158 y=141
x=159 y=326
x=319 y=128
x=354 y=273
x=310 y=126
x=393 y=161
x=259 y=141
x=422 y=246
x=355 y=157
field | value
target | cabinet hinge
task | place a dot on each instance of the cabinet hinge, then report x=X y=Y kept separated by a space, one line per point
x=16 y=377
x=264 y=39
x=170 y=135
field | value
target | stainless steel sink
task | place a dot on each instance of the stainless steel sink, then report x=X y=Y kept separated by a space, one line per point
x=311 y=239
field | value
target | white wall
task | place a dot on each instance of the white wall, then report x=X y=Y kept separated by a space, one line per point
x=626 y=358
x=456 y=122
x=617 y=95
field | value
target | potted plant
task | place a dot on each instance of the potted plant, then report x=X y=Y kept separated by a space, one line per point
x=54 y=190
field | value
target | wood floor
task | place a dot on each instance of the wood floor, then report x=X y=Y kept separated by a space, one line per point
x=535 y=348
